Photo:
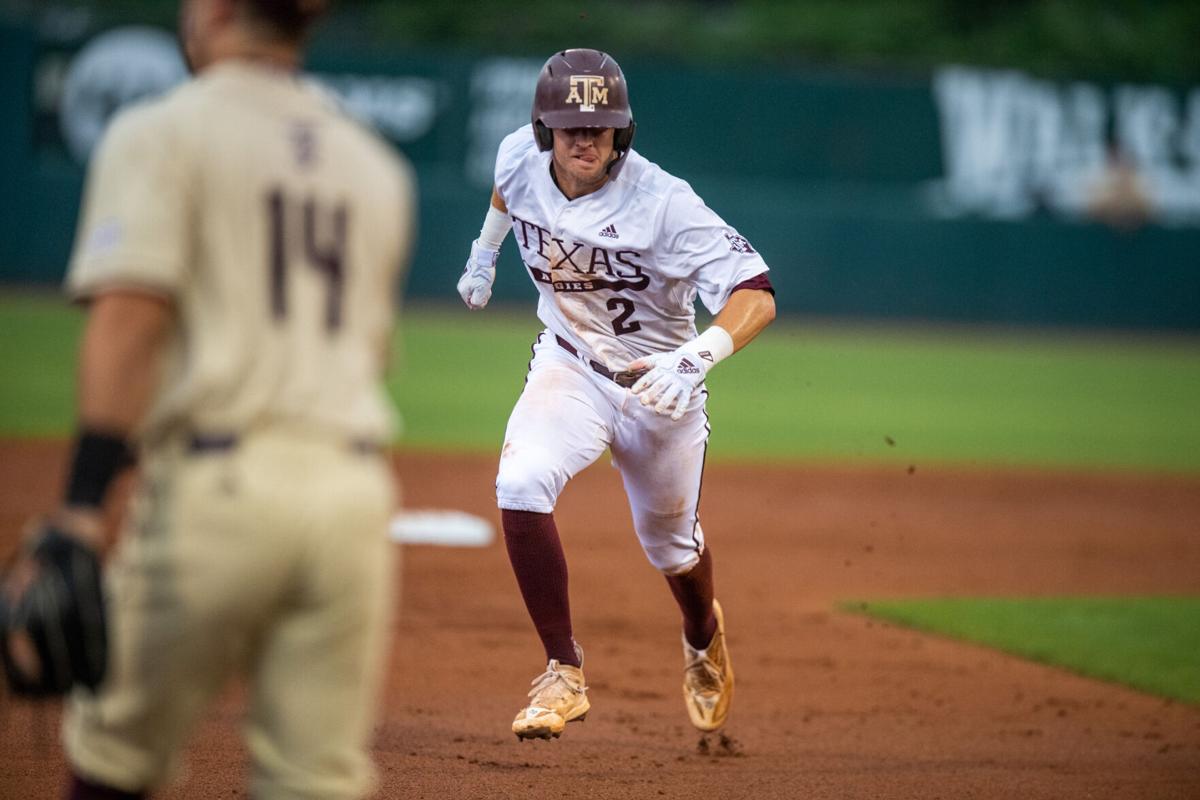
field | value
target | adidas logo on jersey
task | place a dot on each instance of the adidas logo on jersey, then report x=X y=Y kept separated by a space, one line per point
x=687 y=368
x=610 y=232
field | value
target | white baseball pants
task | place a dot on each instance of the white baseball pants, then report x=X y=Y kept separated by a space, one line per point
x=568 y=414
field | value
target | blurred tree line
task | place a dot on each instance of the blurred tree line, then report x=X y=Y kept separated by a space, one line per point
x=1150 y=40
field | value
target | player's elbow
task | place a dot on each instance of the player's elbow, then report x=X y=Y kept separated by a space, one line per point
x=762 y=310
x=767 y=306
x=498 y=201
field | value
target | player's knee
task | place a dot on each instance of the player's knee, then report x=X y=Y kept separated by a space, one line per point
x=671 y=539
x=673 y=559
x=527 y=481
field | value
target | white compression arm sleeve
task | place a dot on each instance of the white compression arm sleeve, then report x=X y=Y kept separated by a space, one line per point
x=495 y=227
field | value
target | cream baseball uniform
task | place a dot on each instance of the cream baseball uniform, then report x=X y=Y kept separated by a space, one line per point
x=617 y=272
x=257 y=539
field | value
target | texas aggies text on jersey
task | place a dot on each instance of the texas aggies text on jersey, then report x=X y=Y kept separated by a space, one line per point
x=618 y=270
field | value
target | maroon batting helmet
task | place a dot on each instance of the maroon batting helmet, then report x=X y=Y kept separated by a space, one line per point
x=582 y=88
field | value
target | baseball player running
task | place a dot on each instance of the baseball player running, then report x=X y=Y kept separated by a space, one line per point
x=618 y=251
x=238 y=248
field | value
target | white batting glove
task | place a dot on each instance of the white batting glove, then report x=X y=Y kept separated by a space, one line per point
x=475 y=285
x=670 y=382
x=674 y=376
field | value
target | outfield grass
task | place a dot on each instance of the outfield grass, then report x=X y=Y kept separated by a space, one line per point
x=814 y=394
x=1149 y=643
x=797 y=393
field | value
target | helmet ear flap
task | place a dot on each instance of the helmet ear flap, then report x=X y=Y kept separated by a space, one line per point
x=543 y=136
x=623 y=137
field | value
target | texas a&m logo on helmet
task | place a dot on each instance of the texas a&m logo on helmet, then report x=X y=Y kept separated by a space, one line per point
x=587 y=91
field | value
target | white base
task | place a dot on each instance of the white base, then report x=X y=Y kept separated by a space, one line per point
x=436 y=526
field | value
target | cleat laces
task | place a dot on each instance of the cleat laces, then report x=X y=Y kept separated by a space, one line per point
x=551 y=686
x=702 y=673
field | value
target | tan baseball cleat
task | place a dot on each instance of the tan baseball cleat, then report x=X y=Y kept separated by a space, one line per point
x=558 y=696
x=708 y=679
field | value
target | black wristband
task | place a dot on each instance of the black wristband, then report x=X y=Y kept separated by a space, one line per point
x=99 y=458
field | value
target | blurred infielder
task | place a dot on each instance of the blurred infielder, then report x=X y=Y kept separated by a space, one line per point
x=238 y=248
x=618 y=250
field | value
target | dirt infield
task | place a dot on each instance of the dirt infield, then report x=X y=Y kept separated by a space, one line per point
x=829 y=705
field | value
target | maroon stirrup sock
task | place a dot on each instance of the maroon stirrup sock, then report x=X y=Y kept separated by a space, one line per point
x=536 y=554
x=694 y=593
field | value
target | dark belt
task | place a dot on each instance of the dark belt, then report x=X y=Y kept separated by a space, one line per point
x=624 y=378
x=212 y=442
x=223 y=442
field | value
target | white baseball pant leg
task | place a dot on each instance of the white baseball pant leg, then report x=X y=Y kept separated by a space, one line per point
x=561 y=424
x=568 y=415
x=662 y=466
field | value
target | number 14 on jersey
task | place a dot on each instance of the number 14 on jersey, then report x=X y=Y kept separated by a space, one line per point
x=314 y=233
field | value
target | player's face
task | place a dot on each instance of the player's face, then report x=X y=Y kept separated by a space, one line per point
x=582 y=155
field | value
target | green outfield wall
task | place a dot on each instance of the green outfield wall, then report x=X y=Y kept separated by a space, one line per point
x=963 y=195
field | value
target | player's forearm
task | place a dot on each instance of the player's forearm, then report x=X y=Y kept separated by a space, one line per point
x=475 y=285
x=745 y=315
x=119 y=359
x=118 y=371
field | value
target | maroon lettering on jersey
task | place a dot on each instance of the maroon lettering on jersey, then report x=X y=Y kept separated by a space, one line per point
x=542 y=235
x=524 y=230
x=629 y=275
x=566 y=259
x=540 y=275
x=625 y=258
x=599 y=256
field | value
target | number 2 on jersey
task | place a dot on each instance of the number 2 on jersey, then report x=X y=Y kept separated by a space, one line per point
x=328 y=256
x=622 y=325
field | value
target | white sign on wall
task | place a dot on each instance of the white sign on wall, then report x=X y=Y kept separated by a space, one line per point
x=113 y=70
x=501 y=100
x=126 y=65
x=1013 y=144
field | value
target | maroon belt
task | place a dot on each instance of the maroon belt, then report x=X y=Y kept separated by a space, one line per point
x=624 y=378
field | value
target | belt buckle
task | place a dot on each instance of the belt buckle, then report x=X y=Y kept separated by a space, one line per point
x=628 y=377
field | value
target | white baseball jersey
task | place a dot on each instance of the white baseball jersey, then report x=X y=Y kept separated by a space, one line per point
x=278 y=226
x=618 y=270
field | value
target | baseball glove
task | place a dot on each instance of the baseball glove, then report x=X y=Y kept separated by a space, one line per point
x=52 y=617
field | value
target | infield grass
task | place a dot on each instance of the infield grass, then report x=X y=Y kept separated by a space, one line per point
x=798 y=393
x=1149 y=643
